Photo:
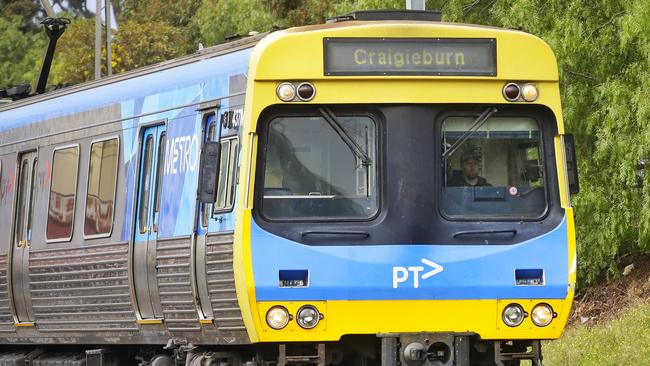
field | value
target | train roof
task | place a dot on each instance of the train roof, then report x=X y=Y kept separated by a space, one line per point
x=202 y=54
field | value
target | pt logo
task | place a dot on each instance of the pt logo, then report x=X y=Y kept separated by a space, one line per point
x=401 y=274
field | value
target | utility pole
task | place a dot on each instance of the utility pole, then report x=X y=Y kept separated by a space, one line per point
x=415 y=5
x=48 y=8
x=109 y=56
x=98 y=39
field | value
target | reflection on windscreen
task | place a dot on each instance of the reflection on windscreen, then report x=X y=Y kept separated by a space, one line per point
x=497 y=172
x=311 y=173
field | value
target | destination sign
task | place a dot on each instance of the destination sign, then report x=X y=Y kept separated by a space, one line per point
x=410 y=56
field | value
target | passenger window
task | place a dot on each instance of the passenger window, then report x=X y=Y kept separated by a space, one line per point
x=159 y=172
x=496 y=171
x=102 y=182
x=32 y=193
x=60 y=217
x=232 y=175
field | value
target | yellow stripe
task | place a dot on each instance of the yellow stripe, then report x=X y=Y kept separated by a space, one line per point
x=25 y=324
x=205 y=321
x=408 y=316
x=149 y=321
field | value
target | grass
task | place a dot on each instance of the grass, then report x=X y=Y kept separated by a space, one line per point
x=623 y=340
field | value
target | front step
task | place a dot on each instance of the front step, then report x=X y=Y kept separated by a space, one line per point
x=316 y=359
x=505 y=352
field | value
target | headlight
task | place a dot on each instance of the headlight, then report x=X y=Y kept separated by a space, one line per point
x=529 y=92
x=542 y=315
x=308 y=317
x=513 y=315
x=306 y=91
x=511 y=92
x=277 y=317
x=286 y=92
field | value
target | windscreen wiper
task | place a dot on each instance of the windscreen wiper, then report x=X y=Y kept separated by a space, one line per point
x=330 y=117
x=478 y=122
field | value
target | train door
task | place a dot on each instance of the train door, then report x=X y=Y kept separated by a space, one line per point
x=23 y=235
x=146 y=227
x=205 y=213
x=215 y=227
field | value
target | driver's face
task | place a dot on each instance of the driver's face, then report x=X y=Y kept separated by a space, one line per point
x=471 y=168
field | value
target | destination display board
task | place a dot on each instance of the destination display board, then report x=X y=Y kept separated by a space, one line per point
x=410 y=56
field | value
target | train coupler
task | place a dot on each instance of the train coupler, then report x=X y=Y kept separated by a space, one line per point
x=425 y=349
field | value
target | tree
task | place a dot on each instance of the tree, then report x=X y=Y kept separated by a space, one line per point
x=219 y=19
x=20 y=52
x=135 y=45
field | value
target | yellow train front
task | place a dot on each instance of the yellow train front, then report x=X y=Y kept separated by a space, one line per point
x=404 y=195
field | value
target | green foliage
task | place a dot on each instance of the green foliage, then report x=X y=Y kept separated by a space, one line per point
x=219 y=19
x=136 y=44
x=20 y=52
x=622 y=341
x=74 y=60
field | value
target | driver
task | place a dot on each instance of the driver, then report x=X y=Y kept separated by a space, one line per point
x=470 y=162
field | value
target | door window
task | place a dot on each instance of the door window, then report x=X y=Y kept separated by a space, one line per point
x=145 y=186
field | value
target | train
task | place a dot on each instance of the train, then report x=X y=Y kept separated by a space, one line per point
x=383 y=189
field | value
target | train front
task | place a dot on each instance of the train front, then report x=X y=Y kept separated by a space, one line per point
x=405 y=196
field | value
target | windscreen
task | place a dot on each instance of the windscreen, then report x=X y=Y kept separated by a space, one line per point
x=311 y=172
x=496 y=171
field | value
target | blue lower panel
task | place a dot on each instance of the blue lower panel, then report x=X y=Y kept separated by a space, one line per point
x=389 y=272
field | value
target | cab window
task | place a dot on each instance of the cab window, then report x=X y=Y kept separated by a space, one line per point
x=315 y=172
x=496 y=171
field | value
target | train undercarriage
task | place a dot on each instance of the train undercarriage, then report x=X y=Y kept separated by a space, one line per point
x=414 y=349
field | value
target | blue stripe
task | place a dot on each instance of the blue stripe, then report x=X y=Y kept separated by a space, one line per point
x=366 y=272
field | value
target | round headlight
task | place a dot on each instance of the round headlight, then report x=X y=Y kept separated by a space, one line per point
x=511 y=92
x=529 y=93
x=277 y=317
x=306 y=92
x=286 y=92
x=513 y=315
x=542 y=315
x=308 y=317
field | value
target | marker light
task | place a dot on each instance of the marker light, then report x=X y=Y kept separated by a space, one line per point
x=542 y=315
x=277 y=317
x=308 y=317
x=529 y=93
x=513 y=315
x=511 y=92
x=286 y=92
x=306 y=92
